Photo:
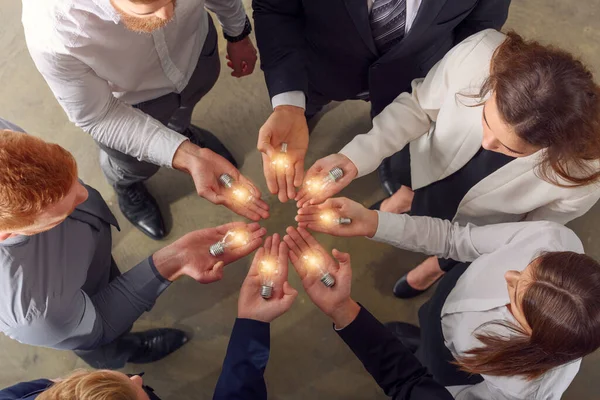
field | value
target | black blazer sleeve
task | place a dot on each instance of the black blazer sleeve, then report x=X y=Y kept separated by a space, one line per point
x=25 y=390
x=395 y=369
x=486 y=14
x=279 y=26
x=244 y=366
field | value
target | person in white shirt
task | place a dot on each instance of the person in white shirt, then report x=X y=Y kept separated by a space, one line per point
x=129 y=72
x=314 y=52
x=511 y=322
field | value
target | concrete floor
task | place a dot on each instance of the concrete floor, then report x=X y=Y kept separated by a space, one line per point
x=308 y=361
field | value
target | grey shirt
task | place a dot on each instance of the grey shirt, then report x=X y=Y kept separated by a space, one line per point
x=480 y=295
x=55 y=287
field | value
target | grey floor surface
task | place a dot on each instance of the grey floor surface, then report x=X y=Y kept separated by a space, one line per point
x=308 y=360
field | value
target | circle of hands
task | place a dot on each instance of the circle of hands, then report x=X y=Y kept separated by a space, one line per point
x=286 y=178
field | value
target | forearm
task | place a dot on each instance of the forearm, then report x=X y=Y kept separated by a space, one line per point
x=393 y=367
x=279 y=26
x=244 y=366
x=230 y=13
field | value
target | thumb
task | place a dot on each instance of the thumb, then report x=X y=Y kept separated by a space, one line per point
x=216 y=273
x=342 y=258
x=264 y=144
x=289 y=293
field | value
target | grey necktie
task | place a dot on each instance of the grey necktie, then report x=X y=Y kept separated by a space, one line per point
x=388 y=21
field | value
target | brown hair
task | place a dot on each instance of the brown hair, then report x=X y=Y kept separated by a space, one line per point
x=90 y=385
x=550 y=99
x=33 y=175
x=561 y=305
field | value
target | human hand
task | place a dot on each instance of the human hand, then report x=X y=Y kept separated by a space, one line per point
x=322 y=218
x=205 y=167
x=334 y=301
x=241 y=57
x=250 y=303
x=313 y=192
x=189 y=255
x=287 y=124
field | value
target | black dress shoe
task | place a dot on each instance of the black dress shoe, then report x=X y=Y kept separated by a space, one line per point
x=408 y=334
x=385 y=176
x=203 y=138
x=153 y=345
x=403 y=290
x=140 y=208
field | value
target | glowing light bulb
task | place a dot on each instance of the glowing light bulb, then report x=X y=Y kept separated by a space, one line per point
x=234 y=238
x=281 y=161
x=316 y=185
x=330 y=218
x=314 y=263
x=268 y=269
x=239 y=192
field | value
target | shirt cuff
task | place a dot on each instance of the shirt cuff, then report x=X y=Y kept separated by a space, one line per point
x=164 y=146
x=293 y=98
x=389 y=227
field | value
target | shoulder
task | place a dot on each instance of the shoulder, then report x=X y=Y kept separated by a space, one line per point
x=555 y=236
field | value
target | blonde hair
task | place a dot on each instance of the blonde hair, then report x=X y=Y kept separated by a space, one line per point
x=90 y=385
x=34 y=174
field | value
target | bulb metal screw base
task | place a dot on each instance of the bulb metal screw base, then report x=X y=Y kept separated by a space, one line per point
x=217 y=249
x=266 y=291
x=336 y=173
x=226 y=180
x=343 y=221
x=328 y=280
x=284 y=147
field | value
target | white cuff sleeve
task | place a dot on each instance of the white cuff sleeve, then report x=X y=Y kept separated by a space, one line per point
x=293 y=98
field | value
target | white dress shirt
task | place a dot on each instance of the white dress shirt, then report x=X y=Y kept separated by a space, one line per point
x=97 y=68
x=481 y=294
x=297 y=97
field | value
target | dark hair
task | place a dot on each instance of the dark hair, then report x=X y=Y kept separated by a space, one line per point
x=551 y=100
x=562 y=307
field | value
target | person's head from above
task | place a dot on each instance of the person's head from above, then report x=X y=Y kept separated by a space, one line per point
x=98 y=385
x=144 y=16
x=556 y=303
x=541 y=97
x=38 y=185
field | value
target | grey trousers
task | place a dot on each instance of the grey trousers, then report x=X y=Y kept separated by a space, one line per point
x=173 y=110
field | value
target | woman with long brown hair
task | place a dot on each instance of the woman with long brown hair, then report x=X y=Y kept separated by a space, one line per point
x=511 y=321
x=500 y=130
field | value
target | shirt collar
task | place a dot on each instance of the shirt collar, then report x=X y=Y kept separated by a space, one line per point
x=108 y=10
x=15 y=240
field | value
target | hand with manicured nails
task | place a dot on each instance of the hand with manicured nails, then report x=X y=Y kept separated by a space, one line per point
x=250 y=304
x=318 y=171
x=317 y=218
x=334 y=301
x=189 y=255
x=205 y=167
x=287 y=124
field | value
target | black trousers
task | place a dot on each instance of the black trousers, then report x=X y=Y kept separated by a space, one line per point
x=433 y=352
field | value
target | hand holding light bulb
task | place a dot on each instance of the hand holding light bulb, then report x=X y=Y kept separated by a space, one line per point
x=334 y=301
x=326 y=218
x=251 y=304
x=324 y=179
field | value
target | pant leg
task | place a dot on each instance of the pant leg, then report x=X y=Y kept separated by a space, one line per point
x=433 y=352
x=201 y=82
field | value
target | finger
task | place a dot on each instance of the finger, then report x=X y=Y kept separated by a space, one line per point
x=223 y=229
x=289 y=180
x=268 y=244
x=253 y=226
x=295 y=236
x=258 y=234
x=232 y=255
x=299 y=173
x=300 y=270
x=227 y=56
x=270 y=176
x=293 y=257
x=309 y=210
x=254 y=207
x=289 y=295
x=309 y=239
x=216 y=272
x=343 y=259
x=282 y=261
x=253 y=271
x=282 y=186
x=274 y=249
x=307 y=218
x=292 y=246
x=241 y=210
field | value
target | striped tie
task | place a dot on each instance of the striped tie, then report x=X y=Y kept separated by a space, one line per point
x=388 y=19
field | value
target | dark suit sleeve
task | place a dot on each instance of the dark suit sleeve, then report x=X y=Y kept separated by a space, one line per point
x=244 y=366
x=395 y=369
x=279 y=26
x=486 y=14
x=25 y=390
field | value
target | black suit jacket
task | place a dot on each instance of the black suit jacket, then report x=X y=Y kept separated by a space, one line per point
x=326 y=46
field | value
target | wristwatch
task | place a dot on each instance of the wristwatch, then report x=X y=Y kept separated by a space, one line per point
x=241 y=36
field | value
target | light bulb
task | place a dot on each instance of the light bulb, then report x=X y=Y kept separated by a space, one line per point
x=268 y=269
x=314 y=263
x=234 y=238
x=281 y=161
x=239 y=192
x=330 y=218
x=316 y=185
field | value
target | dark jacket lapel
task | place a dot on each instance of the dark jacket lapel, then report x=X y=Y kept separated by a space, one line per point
x=359 y=13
